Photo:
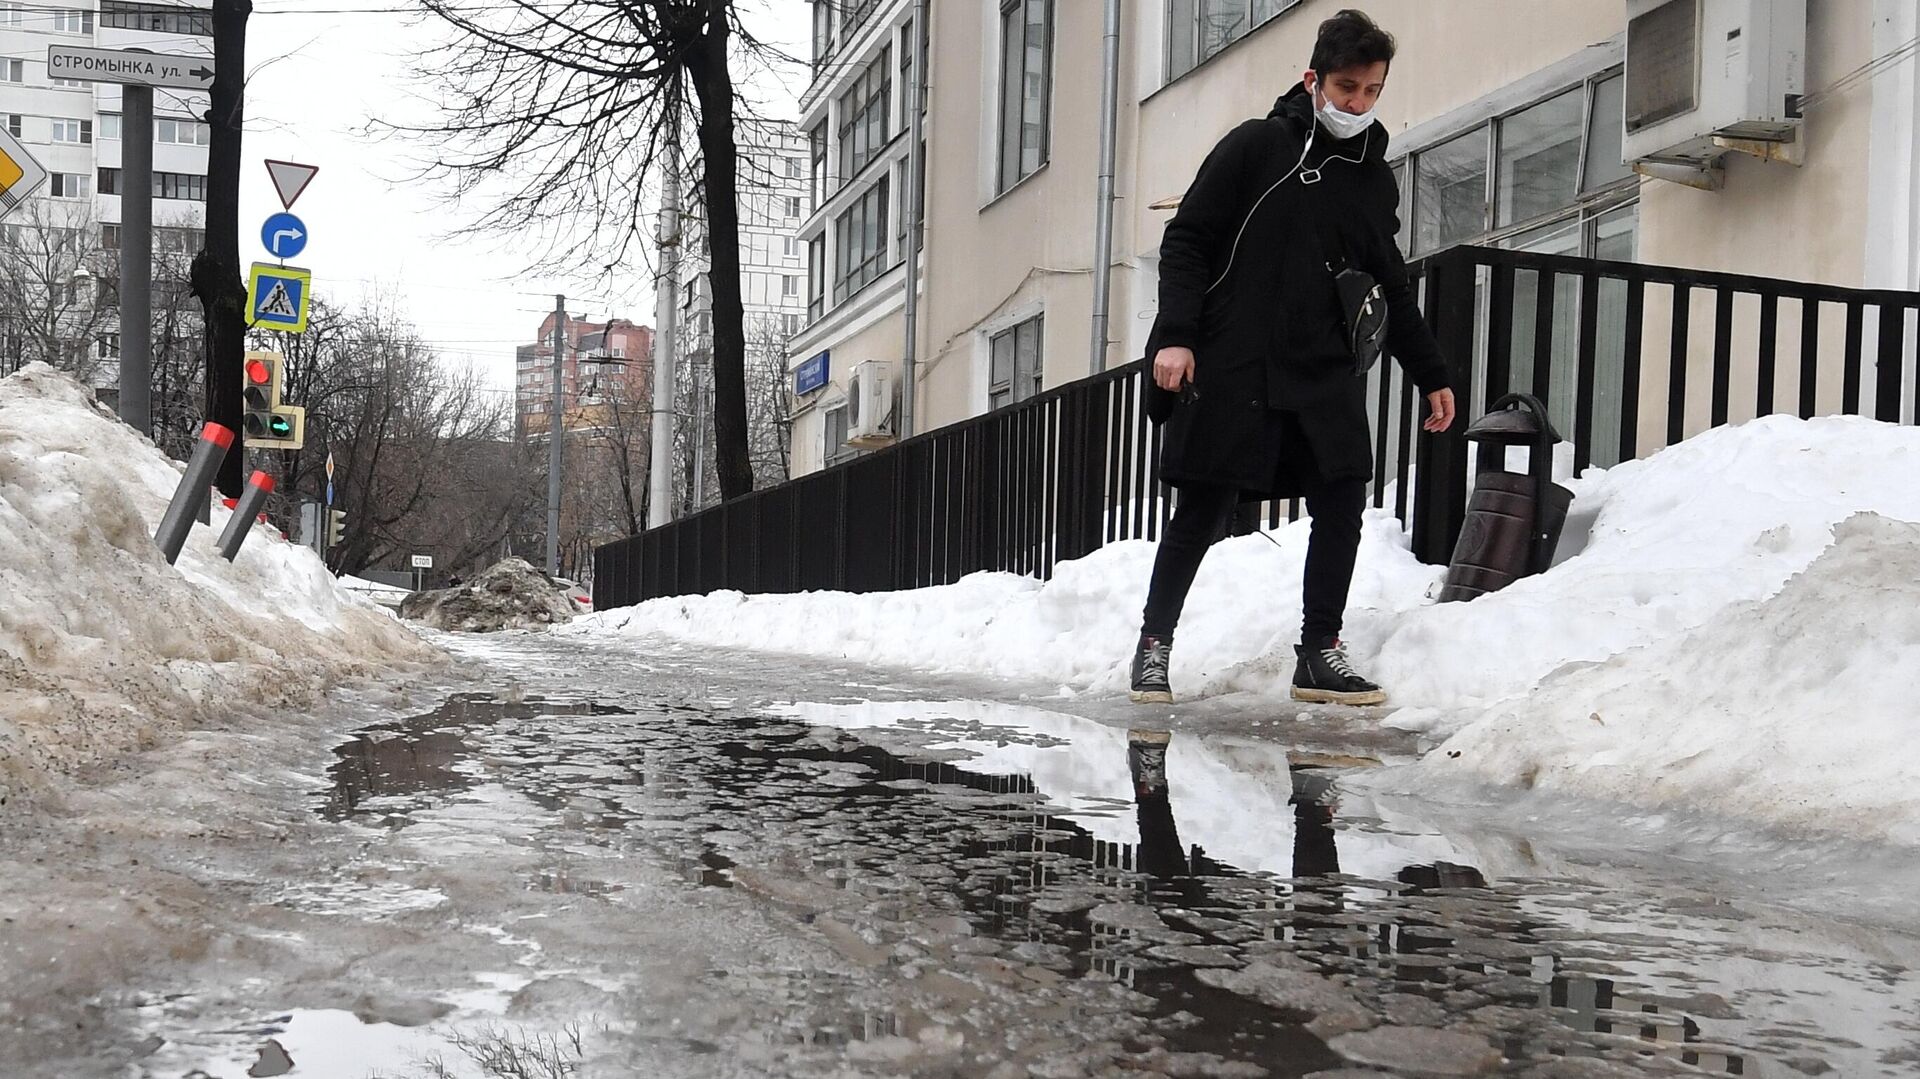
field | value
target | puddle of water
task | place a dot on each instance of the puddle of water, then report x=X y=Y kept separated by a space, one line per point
x=1256 y=917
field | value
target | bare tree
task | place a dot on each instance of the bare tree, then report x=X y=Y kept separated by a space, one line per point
x=56 y=298
x=561 y=110
x=770 y=401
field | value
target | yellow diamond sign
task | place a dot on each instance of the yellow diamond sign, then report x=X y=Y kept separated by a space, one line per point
x=20 y=174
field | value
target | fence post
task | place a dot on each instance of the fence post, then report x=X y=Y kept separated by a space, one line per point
x=1440 y=480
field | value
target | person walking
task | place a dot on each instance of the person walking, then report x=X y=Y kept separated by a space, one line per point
x=1261 y=345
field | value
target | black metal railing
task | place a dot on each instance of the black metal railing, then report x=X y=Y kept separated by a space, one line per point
x=1630 y=358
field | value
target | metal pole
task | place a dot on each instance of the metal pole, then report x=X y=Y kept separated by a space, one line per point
x=1103 y=222
x=666 y=319
x=916 y=185
x=136 y=258
x=700 y=413
x=555 y=410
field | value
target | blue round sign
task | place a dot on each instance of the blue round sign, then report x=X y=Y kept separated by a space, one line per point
x=284 y=236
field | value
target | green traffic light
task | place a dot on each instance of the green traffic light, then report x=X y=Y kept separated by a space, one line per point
x=280 y=426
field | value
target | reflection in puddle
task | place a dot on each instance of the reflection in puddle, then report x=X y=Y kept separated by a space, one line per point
x=1255 y=919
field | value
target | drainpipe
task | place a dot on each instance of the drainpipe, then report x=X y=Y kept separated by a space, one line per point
x=916 y=184
x=1103 y=222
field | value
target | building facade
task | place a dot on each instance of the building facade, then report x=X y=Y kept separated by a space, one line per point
x=855 y=119
x=70 y=229
x=773 y=202
x=1508 y=129
x=604 y=366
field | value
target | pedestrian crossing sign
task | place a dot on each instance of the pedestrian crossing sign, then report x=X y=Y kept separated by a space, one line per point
x=278 y=297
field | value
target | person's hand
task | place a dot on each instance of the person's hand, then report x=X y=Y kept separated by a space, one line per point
x=1173 y=368
x=1440 y=416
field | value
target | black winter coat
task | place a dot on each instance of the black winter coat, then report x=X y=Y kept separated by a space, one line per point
x=1269 y=337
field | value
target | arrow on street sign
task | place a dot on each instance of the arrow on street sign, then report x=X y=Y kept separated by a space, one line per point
x=20 y=174
x=284 y=236
x=290 y=179
x=131 y=67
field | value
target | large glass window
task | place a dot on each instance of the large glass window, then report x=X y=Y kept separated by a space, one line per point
x=1015 y=363
x=1198 y=29
x=1450 y=192
x=864 y=127
x=1606 y=126
x=1026 y=87
x=822 y=32
x=1539 y=159
x=816 y=278
x=156 y=18
x=860 y=242
x=817 y=150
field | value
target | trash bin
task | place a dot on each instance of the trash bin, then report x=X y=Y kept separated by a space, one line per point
x=1513 y=519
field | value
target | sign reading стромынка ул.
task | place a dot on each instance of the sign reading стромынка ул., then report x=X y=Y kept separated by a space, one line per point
x=130 y=66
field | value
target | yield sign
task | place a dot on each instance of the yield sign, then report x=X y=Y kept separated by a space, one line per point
x=290 y=179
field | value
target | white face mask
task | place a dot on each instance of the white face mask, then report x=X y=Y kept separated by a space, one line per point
x=1343 y=125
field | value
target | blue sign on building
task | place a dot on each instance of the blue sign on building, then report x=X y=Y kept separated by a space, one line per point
x=811 y=374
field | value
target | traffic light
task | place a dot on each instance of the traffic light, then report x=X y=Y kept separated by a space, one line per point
x=336 y=527
x=270 y=425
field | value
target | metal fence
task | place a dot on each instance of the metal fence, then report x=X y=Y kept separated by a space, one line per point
x=1630 y=358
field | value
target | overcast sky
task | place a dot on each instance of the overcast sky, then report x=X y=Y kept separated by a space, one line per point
x=336 y=65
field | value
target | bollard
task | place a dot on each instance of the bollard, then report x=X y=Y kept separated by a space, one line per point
x=1514 y=519
x=259 y=486
x=215 y=441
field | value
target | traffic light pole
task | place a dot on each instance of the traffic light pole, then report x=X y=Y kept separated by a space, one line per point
x=136 y=257
x=555 y=410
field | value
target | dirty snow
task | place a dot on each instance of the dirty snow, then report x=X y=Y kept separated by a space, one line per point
x=1657 y=549
x=104 y=647
x=510 y=594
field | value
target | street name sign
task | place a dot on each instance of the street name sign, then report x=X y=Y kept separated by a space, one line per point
x=423 y=561
x=20 y=174
x=811 y=374
x=279 y=297
x=130 y=66
x=284 y=236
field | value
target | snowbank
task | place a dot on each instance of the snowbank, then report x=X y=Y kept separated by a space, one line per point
x=510 y=594
x=1796 y=710
x=103 y=646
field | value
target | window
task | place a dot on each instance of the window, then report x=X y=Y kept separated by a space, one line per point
x=1539 y=172
x=68 y=185
x=793 y=207
x=110 y=237
x=178 y=241
x=907 y=88
x=181 y=132
x=1197 y=29
x=76 y=131
x=860 y=242
x=108 y=346
x=1015 y=367
x=816 y=278
x=73 y=22
x=15 y=124
x=69 y=84
x=823 y=43
x=789 y=324
x=836 y=449
x=817 y=147
x=789 y=285
x=863 y=117
x=184 y=186
x=1026 y=77
x=788 y=245
x=12 y=71
x=156 y=18
x=109 y=125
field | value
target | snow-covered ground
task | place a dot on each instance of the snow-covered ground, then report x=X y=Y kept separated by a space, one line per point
x=104 y=647
x=1716 y=688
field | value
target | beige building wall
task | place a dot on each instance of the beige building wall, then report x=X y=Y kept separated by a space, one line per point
x=878 y=340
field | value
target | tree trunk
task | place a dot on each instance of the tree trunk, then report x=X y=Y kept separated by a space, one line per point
x=713 y=84
x=216 y=270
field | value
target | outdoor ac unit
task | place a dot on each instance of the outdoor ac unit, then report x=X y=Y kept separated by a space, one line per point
x=870 y=405
x=1705 y=77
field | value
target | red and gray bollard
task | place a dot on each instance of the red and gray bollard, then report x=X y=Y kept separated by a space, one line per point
x=212 y=448
x=259 y=486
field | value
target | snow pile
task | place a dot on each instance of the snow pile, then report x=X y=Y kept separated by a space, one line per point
x=103 y=646
x=510 y=594
x=1797 y=709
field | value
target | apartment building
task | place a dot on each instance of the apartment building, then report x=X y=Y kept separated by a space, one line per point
x=855 y=117
x=1509 y=127
x=73 y=128
x=603 y=366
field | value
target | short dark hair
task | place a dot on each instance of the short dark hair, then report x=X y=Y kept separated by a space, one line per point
x=1351 y=39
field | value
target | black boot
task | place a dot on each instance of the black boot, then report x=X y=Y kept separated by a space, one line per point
x=1147 y=761
x=1323 y=676
x=1150 y=660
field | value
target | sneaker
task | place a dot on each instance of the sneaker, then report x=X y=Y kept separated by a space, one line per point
x=1150 y=661
x=1323 y=676
x=1147 y=761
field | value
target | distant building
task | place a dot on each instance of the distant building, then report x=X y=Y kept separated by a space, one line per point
x=604 y=365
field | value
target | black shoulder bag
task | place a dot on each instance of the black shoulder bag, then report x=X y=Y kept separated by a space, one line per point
x=1362 y=304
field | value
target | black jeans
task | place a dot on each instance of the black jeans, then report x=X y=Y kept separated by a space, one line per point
x=1202 y=517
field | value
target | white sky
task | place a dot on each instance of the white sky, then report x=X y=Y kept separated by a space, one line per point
x=336 y=66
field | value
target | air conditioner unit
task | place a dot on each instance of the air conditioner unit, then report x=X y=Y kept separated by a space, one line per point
x=870 y=405
x=1705 y=77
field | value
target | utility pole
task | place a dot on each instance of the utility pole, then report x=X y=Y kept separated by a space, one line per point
x=666 y=318
x=1103 y=223
x=916 y=184
x=555 y=417
x=136 y=258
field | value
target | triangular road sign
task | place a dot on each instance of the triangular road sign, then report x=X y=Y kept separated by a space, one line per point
x=290 y=179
